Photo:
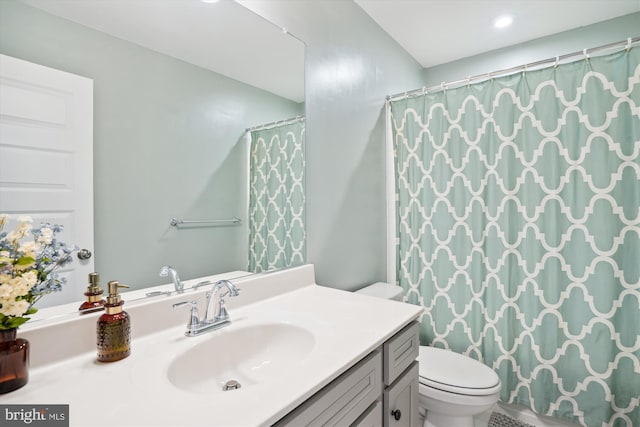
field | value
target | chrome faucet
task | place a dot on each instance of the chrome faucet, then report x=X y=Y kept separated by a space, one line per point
x=210 y=314
x=168 y=270
x=211 y=321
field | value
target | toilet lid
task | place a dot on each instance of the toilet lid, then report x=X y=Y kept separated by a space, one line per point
x=456 y=373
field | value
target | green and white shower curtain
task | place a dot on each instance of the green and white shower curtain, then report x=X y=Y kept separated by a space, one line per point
x=277 y=235
x=518 y=227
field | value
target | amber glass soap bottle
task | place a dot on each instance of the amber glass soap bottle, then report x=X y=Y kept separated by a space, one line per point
x=114 y=327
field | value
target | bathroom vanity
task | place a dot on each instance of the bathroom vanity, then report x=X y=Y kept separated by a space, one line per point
x=380 y=390
x=302 y=354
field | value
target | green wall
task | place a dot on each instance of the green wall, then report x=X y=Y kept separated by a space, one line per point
x=351 y=65
x=167 y=143
x=559 y=44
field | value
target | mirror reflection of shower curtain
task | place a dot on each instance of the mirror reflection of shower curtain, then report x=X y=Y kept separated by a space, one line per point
x=277 y=236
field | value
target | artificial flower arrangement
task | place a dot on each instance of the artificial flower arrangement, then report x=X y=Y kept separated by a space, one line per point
x=28 y=258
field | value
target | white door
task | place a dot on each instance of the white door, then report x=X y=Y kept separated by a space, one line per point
x=46 y=158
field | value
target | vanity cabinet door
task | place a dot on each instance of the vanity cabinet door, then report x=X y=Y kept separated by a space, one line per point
x=400 y=400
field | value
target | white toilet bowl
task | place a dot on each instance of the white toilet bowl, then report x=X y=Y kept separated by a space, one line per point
x=453 y=387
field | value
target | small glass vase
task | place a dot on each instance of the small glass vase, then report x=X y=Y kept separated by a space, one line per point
x=14 y=361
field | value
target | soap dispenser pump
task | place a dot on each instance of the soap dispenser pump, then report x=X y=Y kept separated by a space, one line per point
x=94 y=292
x=114 y=327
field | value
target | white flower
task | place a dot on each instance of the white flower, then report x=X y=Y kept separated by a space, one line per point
x=22 y=284
x=25 y=224
x=5 y=302
x=30 y=249
x=24 y=227
x=46 y=236
x=5 y=288
x=25 y=219
x=14 y=236
x=13 y=308
x=30 y=278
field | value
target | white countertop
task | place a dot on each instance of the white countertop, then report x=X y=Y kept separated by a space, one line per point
x=137 y=391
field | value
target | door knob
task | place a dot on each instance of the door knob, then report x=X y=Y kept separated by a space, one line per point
x=84 y=254
x=396 y=414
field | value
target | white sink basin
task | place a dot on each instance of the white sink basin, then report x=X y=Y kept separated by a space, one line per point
x=249 y=355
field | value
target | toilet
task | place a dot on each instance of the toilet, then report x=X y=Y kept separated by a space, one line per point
x=452 y=387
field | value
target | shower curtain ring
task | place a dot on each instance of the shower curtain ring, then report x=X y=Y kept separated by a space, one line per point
x=555 y=64
x=586 y=55
x=628 y=44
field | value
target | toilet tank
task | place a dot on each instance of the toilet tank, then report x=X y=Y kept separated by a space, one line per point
x=382 y=290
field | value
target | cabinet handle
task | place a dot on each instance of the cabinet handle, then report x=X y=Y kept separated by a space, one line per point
x=396 y=414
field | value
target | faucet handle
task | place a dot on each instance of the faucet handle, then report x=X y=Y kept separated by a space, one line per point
x=194 y=319
x=223 y=314
x=209 y=314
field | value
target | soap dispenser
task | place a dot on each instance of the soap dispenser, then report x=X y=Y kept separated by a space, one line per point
x=114 y=327
x=94 y=301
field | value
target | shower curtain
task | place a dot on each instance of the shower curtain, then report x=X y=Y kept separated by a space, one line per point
x=277 y=198
x=518 y=230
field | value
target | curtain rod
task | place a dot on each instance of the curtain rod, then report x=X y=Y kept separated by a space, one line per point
x=277 y=123
x=506 y=71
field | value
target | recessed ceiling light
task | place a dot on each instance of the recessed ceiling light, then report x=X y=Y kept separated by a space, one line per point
x=209 y=1
x=503 y=21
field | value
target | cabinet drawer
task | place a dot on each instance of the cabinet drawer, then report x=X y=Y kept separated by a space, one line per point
x=400 y=400
x=371 y=418
x=343 y=400
x=400 y=351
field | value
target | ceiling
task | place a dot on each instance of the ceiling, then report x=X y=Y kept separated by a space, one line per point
x=224 y=37
x=432 y=31
x=439 y=31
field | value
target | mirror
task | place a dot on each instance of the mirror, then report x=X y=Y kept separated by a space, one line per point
x=176 y=85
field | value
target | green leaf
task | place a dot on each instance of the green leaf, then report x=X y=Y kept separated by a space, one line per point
x=15 y=322
x=25 y=260
x=11 y=322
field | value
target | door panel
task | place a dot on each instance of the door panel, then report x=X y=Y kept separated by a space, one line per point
x=46 y=157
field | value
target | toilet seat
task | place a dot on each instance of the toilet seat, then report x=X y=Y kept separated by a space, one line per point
x=455 y=373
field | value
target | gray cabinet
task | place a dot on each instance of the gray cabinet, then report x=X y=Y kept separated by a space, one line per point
x=400 y=373
x=372 y=417
x=400 y=351
x=381 y=387
x=400 y=408
x=343 y=401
